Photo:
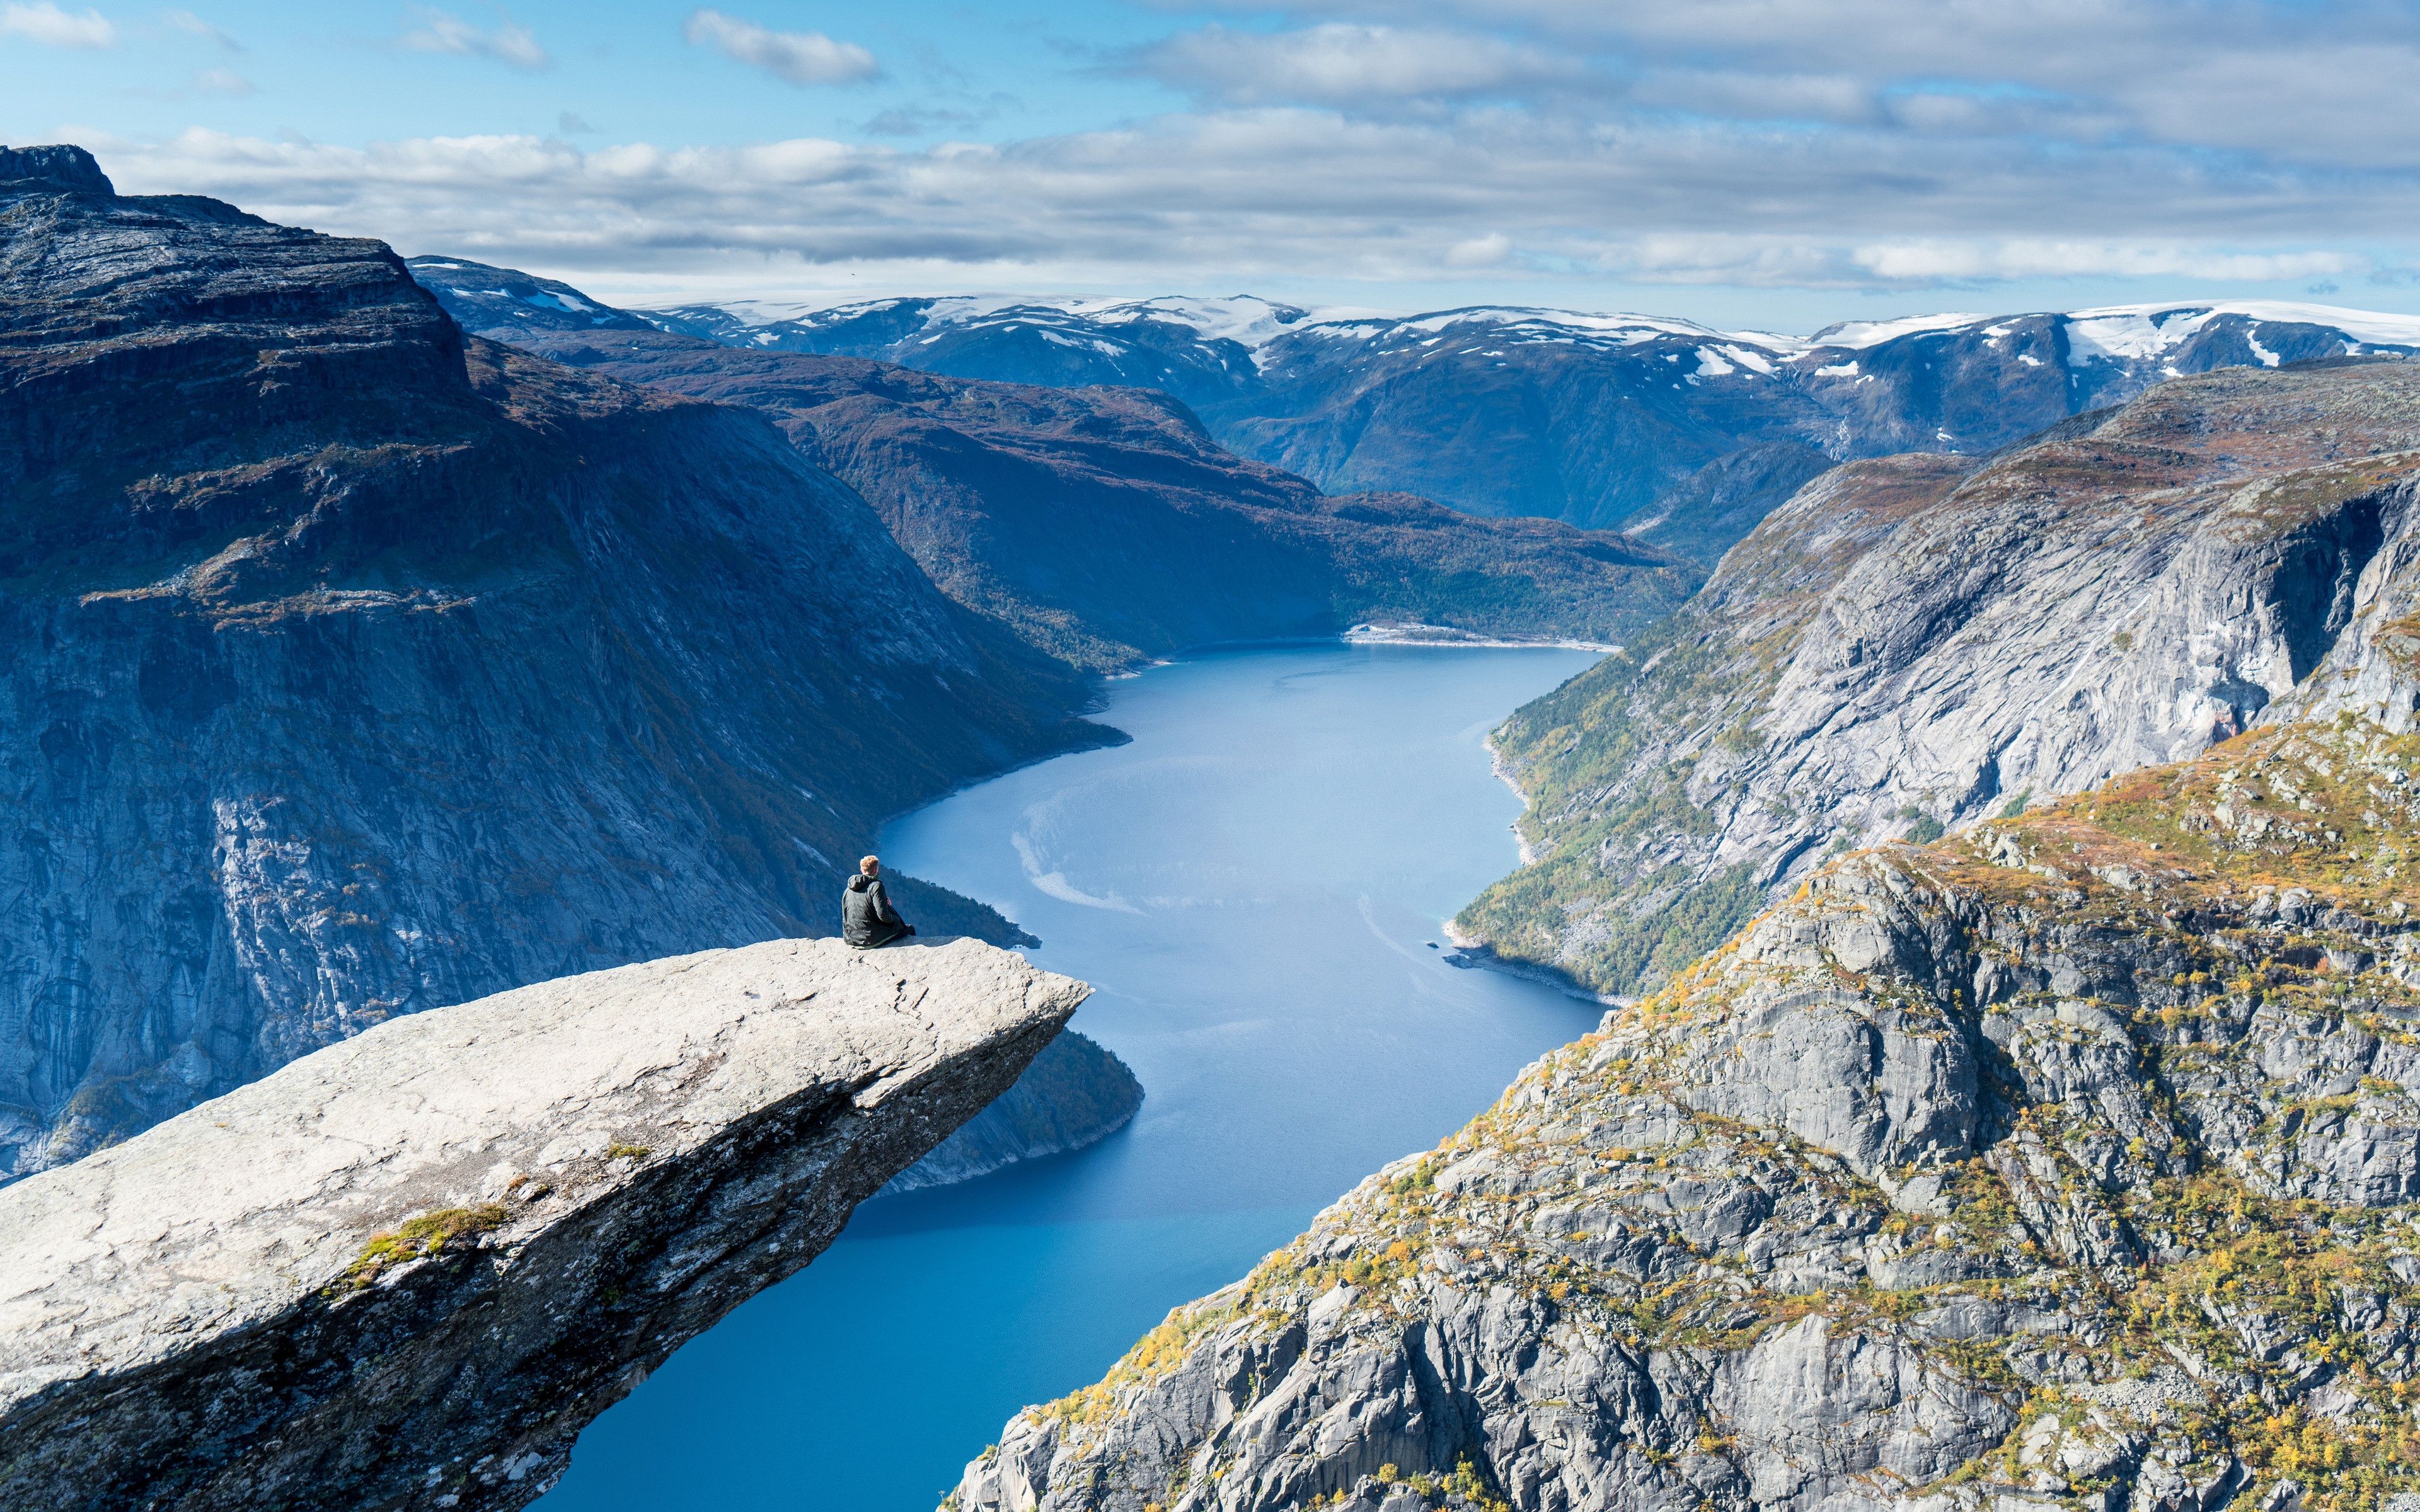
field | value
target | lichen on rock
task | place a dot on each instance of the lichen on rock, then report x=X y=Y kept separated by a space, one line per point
x=404 y=1271
x=2073 y=1162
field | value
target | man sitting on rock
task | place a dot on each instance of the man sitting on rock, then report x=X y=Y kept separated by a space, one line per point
x=866 y=918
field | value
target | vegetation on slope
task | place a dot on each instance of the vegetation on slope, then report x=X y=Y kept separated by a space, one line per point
x=2113 y=1198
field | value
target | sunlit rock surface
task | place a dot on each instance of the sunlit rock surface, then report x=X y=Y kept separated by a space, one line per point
x=405 y=1270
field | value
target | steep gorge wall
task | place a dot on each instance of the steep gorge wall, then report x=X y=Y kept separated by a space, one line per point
x=1104 y=526
x=1918 y=643
x=357 y=669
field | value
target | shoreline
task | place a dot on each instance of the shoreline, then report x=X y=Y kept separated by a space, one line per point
x=1446 y=635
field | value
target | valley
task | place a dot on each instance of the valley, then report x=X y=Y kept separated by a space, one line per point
x=1920 y=813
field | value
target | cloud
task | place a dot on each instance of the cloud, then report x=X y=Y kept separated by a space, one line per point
x=185 y=20
x=444 y=31
x=45 y=22
x=1344 y=65
x=1480 y=251
x=1236 y=197
x=571 y=124
x=800 y=57
x=221 y=81
x=2312 y=84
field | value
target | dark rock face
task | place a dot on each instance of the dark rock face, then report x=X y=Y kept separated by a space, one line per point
x=357 y=667
x=2071 y=1164
x=54 y=167
x=1921 y=642
x=1713 y=509
x=1103 y=526
x=501 y=303
x=1075 y=1094
x=404 y=1271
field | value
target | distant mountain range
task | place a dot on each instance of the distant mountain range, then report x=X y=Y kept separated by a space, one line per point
x=1603 y=421
x=1102 y=524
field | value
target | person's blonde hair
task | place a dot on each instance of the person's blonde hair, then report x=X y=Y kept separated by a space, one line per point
x=867 y=863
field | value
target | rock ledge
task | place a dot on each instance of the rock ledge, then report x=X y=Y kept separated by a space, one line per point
x=405 y=1270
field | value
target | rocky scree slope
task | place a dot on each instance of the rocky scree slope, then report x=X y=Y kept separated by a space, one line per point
x=404 y=1272
x=1103 y=526
x=1917 y=642
x=356 y=667
x=2073 y=1163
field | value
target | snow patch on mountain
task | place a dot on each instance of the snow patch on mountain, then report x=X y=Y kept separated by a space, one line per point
x=2140 y=331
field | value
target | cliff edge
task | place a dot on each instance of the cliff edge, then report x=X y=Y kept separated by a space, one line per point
x=2071 y=1164
x=405 y=1270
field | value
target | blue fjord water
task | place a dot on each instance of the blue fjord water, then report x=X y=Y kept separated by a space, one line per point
x=1249 y=887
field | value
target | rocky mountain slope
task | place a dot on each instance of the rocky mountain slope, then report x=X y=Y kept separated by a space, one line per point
x=356 y=667
x=1920 y=641
x=503 y=302
x=2071 y=1162
x=1105 y=527
x=404 y=1272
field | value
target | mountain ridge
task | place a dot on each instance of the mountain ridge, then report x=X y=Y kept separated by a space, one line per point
x=1599 y=420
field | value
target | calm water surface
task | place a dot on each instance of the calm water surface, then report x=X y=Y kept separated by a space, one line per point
x=1249 y=887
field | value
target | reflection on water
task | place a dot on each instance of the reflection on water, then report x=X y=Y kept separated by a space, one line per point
x=1253 y=888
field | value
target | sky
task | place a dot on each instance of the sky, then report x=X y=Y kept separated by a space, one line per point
x=1778 y=165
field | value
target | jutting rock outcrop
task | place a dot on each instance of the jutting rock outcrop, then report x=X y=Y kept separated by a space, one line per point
x=2071 y=1162
x=354 y=667
x=404 y=1271
x=1914 y=644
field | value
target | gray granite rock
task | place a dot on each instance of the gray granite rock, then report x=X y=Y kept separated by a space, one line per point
x=1922 y=643
x=404 y=1271
x=2065 y=1165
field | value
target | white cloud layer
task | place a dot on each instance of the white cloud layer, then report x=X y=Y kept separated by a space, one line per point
x=45 y=22
x=799 y=57
x=1875 y=144
x=1240 y=194
x=1345 y=65
x=443 y=32
x=185 y=20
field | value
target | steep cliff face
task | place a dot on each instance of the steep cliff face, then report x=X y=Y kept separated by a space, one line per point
x=356 y=668
x=1104 y=526
x=406 y=1270
x=1917 y=642
x=2071 y=1164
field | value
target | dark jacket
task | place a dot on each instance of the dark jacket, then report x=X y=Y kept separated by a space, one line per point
x=866 y=917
